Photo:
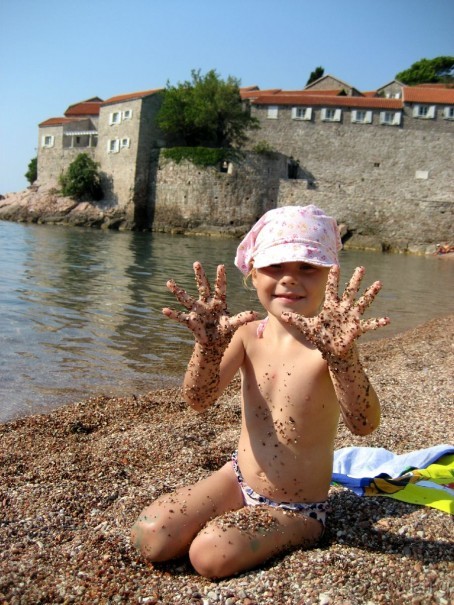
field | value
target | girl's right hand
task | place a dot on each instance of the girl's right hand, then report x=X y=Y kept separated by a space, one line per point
x=207 y=316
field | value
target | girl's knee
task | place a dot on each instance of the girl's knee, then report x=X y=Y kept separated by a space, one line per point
x=148 y=538
x=213 y=557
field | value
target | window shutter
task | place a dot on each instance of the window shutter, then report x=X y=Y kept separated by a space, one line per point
x=308 y=113
x=431 y=112
x=397 y=118
x=323 y=113
x=272 y=112
x=337 y=115
x=294 y=116
x=368 y=118
x=415 y=111
x=354 y=115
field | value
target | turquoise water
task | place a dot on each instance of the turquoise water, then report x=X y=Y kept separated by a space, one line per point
x=80 y=310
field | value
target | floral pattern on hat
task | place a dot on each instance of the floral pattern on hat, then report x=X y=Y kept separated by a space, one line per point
x=287 y=234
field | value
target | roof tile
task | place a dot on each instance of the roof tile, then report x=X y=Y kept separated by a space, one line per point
x=131 y=96
x=85 y=108
x=322 y=100
x=425 y=94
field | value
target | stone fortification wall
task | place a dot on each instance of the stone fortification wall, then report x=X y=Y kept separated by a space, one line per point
x=383 y=223
x=186 y=197
x=361 y=197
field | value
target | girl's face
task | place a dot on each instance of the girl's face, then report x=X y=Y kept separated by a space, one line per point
x=297 y=287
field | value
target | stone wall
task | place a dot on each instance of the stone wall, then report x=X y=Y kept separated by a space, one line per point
x=383 y=223
x=186 y=197
x=369 y=161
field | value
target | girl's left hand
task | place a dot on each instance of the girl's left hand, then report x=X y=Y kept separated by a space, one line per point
x=339 y=323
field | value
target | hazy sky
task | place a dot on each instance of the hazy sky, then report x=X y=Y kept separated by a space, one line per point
x=57 y=52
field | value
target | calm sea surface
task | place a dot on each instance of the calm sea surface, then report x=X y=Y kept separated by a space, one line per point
x=80 y=309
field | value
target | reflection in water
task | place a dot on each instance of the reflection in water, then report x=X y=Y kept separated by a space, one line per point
x=80 y=310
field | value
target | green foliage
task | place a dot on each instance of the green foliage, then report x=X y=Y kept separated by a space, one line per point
x=264 y=148
x=82 y=180
x=200 y=156
x=315 y=75
x=206 y=111
x=440 y=69
x=32 y=173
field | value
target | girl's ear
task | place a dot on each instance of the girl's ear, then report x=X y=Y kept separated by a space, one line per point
x=253 y=274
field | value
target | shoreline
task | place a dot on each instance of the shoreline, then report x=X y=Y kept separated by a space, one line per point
x=73 y=480
x=44 y=204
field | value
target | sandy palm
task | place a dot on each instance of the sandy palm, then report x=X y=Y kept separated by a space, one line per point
x=339 y=323
x=207 y=315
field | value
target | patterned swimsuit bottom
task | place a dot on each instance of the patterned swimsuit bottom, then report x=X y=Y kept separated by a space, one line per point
x=315 y=510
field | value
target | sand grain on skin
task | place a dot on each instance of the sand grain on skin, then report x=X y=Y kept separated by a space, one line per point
x=72 y=482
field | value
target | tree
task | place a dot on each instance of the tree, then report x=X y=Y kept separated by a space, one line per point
x=315 y=75
x=206 y=111
x=82 y=180
x=440 y=69
x=32 y=173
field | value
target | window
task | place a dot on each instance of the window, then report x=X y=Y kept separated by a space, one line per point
x=48 y=140
x=113 y=146
x=272 y=112
x=424 y=111
x=448 y=113
x=127 y=114
x=329 y=114
x=361 y=116
x=124 y=143
x=301 y=113
x=391 y=118
x=115 y=117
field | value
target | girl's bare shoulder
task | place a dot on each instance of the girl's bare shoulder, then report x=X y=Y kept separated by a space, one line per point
x=249 y=330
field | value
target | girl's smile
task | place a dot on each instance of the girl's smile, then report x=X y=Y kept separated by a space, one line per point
x=296 y=285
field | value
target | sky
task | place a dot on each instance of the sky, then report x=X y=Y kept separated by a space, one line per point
x=55 y=53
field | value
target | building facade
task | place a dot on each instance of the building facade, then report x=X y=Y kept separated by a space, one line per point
x=358 y=152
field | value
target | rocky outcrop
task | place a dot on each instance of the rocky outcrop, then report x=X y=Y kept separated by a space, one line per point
x=42 y=204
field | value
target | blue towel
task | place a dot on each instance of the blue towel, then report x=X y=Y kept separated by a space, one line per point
x=377 y=471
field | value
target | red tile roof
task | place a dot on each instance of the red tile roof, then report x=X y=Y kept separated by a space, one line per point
x=84 y=108
x=55 y=122
x=425 y=94
x=252 y=94
x=131 y=96
x=321 y=100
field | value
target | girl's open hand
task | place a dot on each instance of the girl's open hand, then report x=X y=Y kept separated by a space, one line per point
x=339 y=323
x=207 y=316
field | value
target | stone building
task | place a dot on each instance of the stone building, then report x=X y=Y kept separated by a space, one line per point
x=365 y=156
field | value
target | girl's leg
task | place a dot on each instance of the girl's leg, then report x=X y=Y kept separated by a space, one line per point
x=245 y=538
x=166 y=528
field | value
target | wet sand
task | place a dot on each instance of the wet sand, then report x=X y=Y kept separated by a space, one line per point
x=73 y=481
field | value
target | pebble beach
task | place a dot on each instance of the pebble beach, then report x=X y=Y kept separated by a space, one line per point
x=73 y=481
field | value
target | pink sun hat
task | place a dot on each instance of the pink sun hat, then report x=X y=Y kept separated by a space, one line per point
x=287 y=234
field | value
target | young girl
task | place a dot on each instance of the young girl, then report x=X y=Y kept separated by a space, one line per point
x=299 y=372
